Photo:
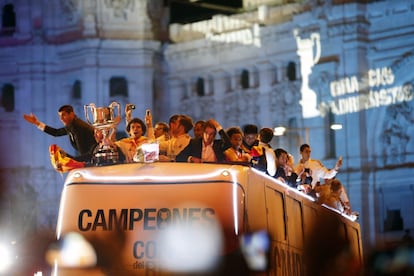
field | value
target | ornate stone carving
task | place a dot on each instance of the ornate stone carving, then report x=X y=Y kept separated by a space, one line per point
x=120 y=7
x=70 y=8
x=395 y=136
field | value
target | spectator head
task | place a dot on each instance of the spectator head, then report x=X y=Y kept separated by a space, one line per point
x=281 y=157
x=136 y=127
x=180 y=124
x=266 y=135
x=236 y=136
x=199 y=128
x=161 y=128
x=174 y=123
x=66 y=114
x=209 y=132
x=305 y=152
x=250 y=133
x=336 y=186
x=279 y=152
x=186 y=122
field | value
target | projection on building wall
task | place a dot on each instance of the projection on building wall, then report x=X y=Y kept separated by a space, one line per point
x=349 y=94
x=309 y=51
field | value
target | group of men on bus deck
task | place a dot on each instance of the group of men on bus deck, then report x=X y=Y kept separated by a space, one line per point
x=248 y=145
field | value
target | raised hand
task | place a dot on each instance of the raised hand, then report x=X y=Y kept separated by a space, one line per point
x=31 y=118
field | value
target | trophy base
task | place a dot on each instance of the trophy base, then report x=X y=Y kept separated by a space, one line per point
x=104 y=157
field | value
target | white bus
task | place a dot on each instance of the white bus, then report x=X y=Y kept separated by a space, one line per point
x=183 y=218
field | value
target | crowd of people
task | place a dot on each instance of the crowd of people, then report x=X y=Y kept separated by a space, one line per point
x=246 y=145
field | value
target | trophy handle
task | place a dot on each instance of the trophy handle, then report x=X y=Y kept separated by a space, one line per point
x=116 y=109
x=88 y=107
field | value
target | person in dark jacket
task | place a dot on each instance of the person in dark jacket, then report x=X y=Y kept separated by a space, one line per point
x=284 y=170
x=206 y=148
x=81 y=134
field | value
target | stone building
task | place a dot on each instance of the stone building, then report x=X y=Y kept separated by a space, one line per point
x=304 y=65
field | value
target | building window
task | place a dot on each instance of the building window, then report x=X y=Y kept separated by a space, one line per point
x=7 y=97
x=8 y=20
x=393 y=221
x=275 y=76
x=294 y=134
x=291 y=71
x=77 y=90
x=244 y=79
x=200 y=87
x=210 y=86
x=118 y=86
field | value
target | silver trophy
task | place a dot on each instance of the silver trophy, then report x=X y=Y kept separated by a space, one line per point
x=105 y=121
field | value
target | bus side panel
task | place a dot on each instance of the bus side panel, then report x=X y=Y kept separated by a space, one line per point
x=330 y=238
x=354 y=237
x=285 y=227
x=134 y=216
x=256 y=203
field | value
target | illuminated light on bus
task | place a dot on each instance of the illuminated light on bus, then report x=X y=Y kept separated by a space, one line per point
x=150 y=178
x=235 y=203
x=63 y=203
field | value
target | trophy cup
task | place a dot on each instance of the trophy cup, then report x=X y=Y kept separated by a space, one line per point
x=105 y=121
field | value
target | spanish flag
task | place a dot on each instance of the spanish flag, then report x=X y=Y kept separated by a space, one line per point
x=61 y=162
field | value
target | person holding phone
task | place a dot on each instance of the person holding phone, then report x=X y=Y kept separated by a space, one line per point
x=315 y=169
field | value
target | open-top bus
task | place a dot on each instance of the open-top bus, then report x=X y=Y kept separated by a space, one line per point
x=170 y=218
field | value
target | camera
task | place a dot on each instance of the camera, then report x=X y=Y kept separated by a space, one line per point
x=130 y=106
x=308 y=180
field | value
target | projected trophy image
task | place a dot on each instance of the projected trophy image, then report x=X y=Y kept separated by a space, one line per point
x=309 y=51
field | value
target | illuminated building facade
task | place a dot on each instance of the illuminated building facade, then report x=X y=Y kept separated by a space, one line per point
x=302 y=66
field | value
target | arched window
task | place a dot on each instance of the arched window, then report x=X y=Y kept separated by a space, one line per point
x=8 y=20
x=393 y=221
x=244 y=79
x=118 y=86
x=291 y=71
x=200 y=87
x=77 y=90
x=7 y=97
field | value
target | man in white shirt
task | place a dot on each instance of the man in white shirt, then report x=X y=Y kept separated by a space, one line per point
x=317 y=170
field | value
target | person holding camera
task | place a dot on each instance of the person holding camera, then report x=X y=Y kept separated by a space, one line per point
x=314 y=168
x=311 y=171
x=304 y=182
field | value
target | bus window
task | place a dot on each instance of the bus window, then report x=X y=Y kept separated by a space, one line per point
x=275 y=214
x=295 y=223
x=310 y=215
